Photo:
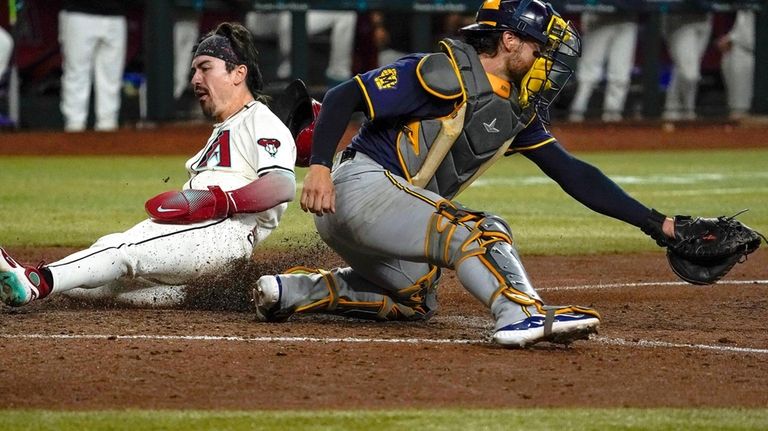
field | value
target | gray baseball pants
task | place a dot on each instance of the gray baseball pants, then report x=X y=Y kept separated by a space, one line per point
x=380 y=229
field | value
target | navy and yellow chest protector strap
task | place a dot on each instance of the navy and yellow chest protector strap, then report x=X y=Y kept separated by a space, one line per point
x=446 y=154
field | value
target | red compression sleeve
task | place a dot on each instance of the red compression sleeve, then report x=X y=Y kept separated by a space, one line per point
x=188 y=206
x=264 y=193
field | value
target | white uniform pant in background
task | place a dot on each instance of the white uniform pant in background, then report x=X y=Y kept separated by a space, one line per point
x=739 y=74
x=185 y=35
x=608 y=47
x=152 y=254
x=342 y=26
x=6 y=48
x=738 y=64
x=687 y=39
x=93 y=47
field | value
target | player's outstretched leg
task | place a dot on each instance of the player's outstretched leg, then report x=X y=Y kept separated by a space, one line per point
x=20 y=284
x=522 y=319
x=479 y=246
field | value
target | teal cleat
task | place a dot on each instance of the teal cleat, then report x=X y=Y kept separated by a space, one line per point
x=19 y=284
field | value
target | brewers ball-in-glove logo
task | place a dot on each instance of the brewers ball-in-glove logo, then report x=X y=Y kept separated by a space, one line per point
x=271 y=145
x=387 y=79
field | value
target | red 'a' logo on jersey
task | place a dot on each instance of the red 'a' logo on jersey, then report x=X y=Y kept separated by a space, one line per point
x=271 y=145
x=218 y=153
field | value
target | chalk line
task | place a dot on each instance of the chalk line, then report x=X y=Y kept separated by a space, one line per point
x=650 y=283
x=450 y=341
x=364 y=340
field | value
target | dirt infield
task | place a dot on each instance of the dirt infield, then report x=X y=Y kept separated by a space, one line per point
x=662 y=342
x=105 y=357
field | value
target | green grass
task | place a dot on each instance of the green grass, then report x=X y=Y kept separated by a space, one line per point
x=71 y=201
x=422 y=420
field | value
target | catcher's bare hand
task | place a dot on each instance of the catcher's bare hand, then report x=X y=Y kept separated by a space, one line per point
x=318 y=195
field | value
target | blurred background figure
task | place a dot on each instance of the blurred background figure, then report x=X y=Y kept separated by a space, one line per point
x=93 y=37
x=687 y=37
x=186 y=31
x=382 y=40
x=262 y=24
x=738 y=63
x=342 y=25
x=450 y=24
x=608 y=50
x=6 y=49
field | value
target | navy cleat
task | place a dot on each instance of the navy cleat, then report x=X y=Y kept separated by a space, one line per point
x=560 y=325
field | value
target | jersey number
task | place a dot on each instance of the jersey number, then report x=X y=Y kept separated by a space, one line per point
x=218 y=153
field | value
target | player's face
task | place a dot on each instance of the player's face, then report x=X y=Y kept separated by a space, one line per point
x=523 y=52
x=214 y=87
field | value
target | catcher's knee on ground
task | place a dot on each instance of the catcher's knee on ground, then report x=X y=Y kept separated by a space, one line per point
x=415 y=302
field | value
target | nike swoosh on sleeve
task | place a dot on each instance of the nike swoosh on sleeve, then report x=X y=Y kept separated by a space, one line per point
x=160 y=209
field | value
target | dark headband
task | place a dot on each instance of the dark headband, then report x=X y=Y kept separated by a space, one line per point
x=219 y=47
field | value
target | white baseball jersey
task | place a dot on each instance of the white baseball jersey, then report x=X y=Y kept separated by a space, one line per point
x=247 y=145
x=242 y=148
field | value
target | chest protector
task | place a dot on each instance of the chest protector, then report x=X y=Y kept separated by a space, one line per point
x=444 y=155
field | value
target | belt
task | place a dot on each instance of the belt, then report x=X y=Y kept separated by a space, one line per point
x=347 y=154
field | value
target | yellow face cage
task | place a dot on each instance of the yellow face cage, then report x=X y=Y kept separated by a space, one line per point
x=549 y=73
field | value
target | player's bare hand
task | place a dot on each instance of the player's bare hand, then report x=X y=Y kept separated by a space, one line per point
x=318 y=195
x=724 y=43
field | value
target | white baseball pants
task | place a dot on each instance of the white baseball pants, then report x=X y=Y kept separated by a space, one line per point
x=608 y=45
x=185 y=35
x=152 y=256
x=738 y=64
x=93 y=47
x=687 y=39
x=6 y=48
x=342 y=25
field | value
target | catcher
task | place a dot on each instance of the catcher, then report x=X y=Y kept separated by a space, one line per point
x=436 y=121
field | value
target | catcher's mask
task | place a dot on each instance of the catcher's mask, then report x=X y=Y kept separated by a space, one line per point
x=298 y=111
x=559 y=43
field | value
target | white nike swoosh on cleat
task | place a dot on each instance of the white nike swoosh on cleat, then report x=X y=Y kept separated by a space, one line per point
x=160 y=209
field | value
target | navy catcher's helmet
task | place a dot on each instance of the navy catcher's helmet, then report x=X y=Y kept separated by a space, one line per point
x=527 y=18
x=535 y=20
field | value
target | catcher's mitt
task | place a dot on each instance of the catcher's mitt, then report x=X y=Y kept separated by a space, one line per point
x=705 y=249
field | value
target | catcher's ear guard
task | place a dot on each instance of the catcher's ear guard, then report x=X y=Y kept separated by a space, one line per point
x=298 y=110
